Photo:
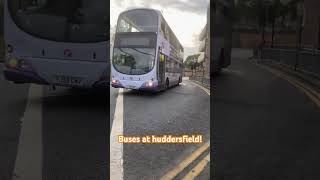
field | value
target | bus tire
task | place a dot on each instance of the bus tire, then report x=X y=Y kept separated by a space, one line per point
x=167 y=83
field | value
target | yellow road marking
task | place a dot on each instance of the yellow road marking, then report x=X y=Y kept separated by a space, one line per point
x=203 y=88
x=198 y=168
x=185 y=163
x=313 y=95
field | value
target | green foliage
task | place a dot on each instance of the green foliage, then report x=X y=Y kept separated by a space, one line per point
x=191 y=61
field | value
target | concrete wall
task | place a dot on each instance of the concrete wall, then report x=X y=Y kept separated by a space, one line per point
x=252 y=39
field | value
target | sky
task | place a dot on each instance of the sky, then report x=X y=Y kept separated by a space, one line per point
x=186 y=18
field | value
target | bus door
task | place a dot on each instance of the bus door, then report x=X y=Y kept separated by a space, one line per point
x=161 y=70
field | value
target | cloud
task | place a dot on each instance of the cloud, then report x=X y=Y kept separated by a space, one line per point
x=192 y=6
x=185 y=17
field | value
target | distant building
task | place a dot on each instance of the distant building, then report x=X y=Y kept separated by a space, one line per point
x=204 y=47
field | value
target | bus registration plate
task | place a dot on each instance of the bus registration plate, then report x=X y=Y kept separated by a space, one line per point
x=68 y=80
x=132 y=87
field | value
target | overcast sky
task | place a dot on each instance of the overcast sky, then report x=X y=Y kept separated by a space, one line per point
x=186 y=18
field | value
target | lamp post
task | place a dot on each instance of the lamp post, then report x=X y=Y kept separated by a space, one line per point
x=299 y=32
x=266 y=7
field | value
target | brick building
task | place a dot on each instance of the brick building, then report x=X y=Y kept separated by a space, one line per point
x=311 y=24
x=204 y=47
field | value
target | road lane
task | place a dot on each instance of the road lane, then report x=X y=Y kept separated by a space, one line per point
x=75 y=134
x=263 y=126
x=28 y=164
x=181 y=110
x=13 y=100
x=73 y=128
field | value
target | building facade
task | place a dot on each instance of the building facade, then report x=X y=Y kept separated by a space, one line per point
x=204 y=47
x=311 y=24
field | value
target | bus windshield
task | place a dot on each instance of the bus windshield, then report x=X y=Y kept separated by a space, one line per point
x=62 y=20
x=133 y=61
x=140 y=20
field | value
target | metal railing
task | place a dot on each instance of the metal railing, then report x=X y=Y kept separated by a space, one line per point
x=305 y=59
x=199 y=76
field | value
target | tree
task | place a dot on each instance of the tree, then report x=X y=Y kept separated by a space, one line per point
x=191 y=61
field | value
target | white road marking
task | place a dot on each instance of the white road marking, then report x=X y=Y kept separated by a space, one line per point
x=28 y=164
x=116 y=149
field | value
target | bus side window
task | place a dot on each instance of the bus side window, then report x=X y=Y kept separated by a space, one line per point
x=163 y=28
x=167 y=33
x=176 y=68
x=167 y=65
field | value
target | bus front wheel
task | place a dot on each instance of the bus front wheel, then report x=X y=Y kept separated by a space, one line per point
x=167 y=84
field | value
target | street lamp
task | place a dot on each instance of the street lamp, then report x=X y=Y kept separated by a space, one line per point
x=265 y=5
x=299 y=33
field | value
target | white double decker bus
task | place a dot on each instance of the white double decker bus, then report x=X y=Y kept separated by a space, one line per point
x=57 y=42
x=146 y=54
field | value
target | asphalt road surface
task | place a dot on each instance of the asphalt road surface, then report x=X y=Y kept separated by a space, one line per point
x=181 y=110
x=63 y=133
x=12 y=106
x=264 y=128
x=46 y=134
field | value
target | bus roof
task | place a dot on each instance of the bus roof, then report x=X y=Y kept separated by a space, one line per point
x=132 y=9
x=158 y=13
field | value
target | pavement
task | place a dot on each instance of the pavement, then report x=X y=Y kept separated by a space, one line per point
x=264 y=127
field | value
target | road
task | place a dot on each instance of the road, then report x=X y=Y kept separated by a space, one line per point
x=46 y=134
x=184 y=109
x=64 y=133
x=264 y=127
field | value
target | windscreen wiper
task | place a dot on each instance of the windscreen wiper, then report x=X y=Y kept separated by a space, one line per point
x=142 y=52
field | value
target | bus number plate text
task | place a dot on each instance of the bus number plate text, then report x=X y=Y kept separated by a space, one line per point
x=60 y=79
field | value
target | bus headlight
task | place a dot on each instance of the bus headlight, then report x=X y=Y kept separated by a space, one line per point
x=114 y=81
x=150 y=84
x=20 y=64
